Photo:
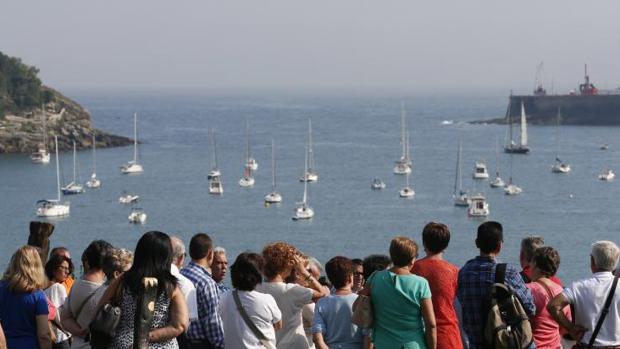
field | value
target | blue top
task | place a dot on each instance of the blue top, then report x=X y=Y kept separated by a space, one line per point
x=475 y=279
x=18 y=313
x=209 y=324
x=332 y=318
x=397 y=306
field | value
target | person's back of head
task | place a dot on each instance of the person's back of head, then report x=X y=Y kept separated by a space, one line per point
x=152 y=258
x=375 y=262
x=178 y=251
x=604 y=256
x=201 y=247
x=245 y=272
x=116 y=262
x=93 y=255
x=60 y=250
x=315 y=267
x=529 y=244
x=279 y=259
x=547 y=260
x=25 y=271
x=490 y=237
x=339 y=270
x=403 y=251
x=435 y=237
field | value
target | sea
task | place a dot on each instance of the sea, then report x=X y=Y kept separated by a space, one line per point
x=356 y=138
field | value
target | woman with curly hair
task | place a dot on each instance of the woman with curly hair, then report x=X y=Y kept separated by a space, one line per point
x=23 y=306
x=57 y=269
x=280 y=260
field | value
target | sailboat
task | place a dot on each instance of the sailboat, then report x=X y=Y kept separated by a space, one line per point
x=497 y=182
x=403 y=165
x=407 y=191
x=512 y=146
x=73 y=187
x=559 y=166
x=94 y=182
x=459 y=195
x=511 y=188
x=133 y=167
x=273 y=197
x=607 y=175
x=250 y=162
x=215 y=171
x=42 y=155
x=303 y=210
x=310 y=174
x=54 y=208
x=137 y=216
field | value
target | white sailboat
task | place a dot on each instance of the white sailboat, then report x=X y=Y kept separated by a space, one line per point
x=497 y=182
x=512 y=146
x=74 y=187
x=250 y=162
x=215 y=186
x=215 y=171
x=133 y=167
x=94 y=182
x=54 y=208
x=511 y=188
x=459 y=195
x=127 y=198
x=310 y=174
x=607 y=175
x=480 y=170
x=558 y=165
x=303 y=210
x=478 y=206
x=404 y=164
x=137 y=216
x=273 y=197
x=42 y=155
x=407 y=191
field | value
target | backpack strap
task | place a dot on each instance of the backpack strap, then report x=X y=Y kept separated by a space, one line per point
x=246 y=318
x=604 y=312
x=500 y=273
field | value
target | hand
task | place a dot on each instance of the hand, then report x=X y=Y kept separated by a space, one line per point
x=577 y=332
x=83 y=332
x=300 y=266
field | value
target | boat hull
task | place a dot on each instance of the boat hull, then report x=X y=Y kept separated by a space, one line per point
x=273 y=198
x=601 y=109
x=518 y=149
x=53 y=210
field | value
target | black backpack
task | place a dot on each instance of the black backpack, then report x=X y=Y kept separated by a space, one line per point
x=507 y=325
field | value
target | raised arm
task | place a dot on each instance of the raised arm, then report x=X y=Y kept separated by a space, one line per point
x=178 y=319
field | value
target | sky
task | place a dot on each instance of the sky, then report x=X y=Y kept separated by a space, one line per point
x=365 y=44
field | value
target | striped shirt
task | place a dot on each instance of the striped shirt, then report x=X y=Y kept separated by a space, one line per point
x=208 y=326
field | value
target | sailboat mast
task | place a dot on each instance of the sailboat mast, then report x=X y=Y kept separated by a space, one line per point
x=94 y=155
x=135 y=138
x=305 y=199
x=523 y=126
x=310 y=151
x=407 y=144
x=273 y=166
x=497 y=156
x=509 y=116
x=57 y=168
x=44 y=128
x=247 y=134
x=403 y=128
x=557 y=136
x=74 y=165
x=458 y=184
x=214 y=149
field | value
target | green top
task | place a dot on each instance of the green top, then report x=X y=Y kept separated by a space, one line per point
x=397 y=302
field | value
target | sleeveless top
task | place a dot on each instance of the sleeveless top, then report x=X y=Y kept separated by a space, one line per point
x=124 y=332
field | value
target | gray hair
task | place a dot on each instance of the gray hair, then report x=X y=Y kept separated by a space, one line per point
x=178 y=248
x=529 y=244
x=315 y=262
x=605 y=255
x=219 y=250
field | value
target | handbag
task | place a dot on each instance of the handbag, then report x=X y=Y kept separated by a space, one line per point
x=362 y=315
x=246 y=318
x=103 y=326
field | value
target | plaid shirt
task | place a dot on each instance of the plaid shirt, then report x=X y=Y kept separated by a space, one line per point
x=475 y=279
x=209 y=324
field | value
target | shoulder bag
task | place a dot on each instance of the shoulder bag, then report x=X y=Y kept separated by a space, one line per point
x=103 y=326
x=246 y=318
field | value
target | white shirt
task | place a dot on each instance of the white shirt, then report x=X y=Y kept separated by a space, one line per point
x=57 y=295
x=189 y=291
x=589 y=296
x=262 y=310
x=290 y=299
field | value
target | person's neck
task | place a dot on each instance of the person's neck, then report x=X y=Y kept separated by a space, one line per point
x=492 y=255
x=405 y=270
x=277 y=278
x=434 y=256
x=343 y=291
x=94 y=275
x=203 y=263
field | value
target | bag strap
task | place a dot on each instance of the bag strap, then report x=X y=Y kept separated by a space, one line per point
x=246 y=317
x=500 y=273
x=604 y=312
x=544 y=285
x=76 y=315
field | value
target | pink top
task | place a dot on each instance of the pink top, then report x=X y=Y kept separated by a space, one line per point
x=546 y=330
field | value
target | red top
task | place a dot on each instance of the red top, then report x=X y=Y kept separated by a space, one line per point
x=442 y=279
x=545 y=330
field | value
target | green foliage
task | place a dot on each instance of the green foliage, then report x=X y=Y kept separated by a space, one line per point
x=20 y=87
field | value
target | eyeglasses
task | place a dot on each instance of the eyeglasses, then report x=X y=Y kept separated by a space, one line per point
x=67 y=269
x=357 y=273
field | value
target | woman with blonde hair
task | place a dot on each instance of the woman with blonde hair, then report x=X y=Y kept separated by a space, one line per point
x=23 y=306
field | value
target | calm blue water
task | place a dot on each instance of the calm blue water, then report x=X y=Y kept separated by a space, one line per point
x=356 y=139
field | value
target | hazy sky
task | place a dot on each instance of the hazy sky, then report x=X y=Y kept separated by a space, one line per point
x=314 y=43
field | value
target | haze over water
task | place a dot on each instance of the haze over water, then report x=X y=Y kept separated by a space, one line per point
x=356 y=138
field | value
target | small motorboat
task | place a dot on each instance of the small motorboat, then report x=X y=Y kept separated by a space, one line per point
x=137 y=216
x=478 y=206
x=215 y=186
x=512 y=189
x=128 y=199
x=605 y=146
x=377 y=184
x=560 y=167
x=480 y=170
x=607 y=175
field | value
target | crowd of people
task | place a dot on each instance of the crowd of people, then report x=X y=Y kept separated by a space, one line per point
x=282 y=298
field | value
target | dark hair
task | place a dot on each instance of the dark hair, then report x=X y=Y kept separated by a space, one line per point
x=339 y=269
x=58 y=250
x=111 y=263
x=435 y=237
x=95 y=252
x=547 y=260
x=152 y=258
x=199 y=246
x=375 y=262
x=529 y=244
x=54 y=262
x=357 y=261
x=245 y=272
x=490 y=236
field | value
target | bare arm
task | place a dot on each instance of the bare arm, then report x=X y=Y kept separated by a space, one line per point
x=319 y=343
x=318 y=290
x=555 y=307
x=178 y=321
x=2 y=339
x=43 y=332
x=430 y=326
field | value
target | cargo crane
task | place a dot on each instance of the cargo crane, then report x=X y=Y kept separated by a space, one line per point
x=587 y=88
x=538 y=81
